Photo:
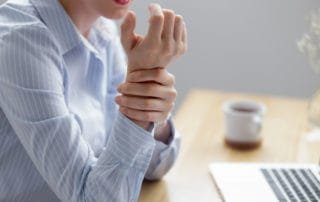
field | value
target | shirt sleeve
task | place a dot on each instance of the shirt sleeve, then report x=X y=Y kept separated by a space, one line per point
x=32 y=98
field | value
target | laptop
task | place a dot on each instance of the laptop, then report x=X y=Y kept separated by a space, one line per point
x=248 y=182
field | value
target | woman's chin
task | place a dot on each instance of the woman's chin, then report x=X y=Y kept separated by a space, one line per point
x=117 y=15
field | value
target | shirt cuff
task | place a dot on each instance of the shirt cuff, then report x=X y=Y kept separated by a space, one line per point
x=130 y=144
x=164 y=155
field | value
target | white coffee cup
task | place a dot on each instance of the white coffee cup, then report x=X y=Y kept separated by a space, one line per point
x=243 y=123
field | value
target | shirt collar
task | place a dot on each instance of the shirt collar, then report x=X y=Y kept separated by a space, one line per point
x=103 y=31
x=58 y=21
x=62 y=27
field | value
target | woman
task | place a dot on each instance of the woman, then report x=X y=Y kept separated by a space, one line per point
x=79 y=121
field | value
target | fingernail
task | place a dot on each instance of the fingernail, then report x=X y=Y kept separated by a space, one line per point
x=155 y=9
x=119 y=88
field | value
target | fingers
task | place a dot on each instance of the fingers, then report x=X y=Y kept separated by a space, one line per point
x=180 y=35
x=174 y=34
x=168 y=26
x=156 y=22
x=185 y=37
x=163 y=42
x=158 y=75
x=127 y=30
x=178 y=28
x=151 y=90
x=144 y=104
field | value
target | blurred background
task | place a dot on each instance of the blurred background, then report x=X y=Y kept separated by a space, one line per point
x=243 y=46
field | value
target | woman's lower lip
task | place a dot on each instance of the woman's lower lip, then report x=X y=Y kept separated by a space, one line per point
x=122 y=2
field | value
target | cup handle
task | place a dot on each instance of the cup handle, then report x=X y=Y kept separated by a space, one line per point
x=258 y=124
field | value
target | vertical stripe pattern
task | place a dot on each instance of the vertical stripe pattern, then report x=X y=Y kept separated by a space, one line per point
x=61 y=136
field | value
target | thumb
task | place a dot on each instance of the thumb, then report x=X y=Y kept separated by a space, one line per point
x=127 y=31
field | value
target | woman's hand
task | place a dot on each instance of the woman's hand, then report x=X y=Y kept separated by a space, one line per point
x=165 y=40
x=147 y=96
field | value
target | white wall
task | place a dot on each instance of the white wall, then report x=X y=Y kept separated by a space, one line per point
x=247 y=45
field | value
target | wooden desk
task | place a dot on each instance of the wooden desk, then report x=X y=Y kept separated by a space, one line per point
x=200 y=121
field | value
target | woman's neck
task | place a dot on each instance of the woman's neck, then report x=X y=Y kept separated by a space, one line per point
x=81 y=14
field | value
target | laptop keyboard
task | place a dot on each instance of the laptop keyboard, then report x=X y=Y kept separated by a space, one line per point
x=293 y=185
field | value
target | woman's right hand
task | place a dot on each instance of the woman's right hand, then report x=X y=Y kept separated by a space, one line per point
x=165 y=40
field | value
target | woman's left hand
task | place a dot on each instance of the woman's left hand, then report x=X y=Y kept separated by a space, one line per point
x=147 y=95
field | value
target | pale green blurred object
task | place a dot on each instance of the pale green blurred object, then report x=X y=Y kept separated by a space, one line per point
x=314 y=117
x=309 y=45
x=314 y=109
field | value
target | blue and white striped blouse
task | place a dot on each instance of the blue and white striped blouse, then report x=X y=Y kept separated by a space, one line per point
x=61 y=136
